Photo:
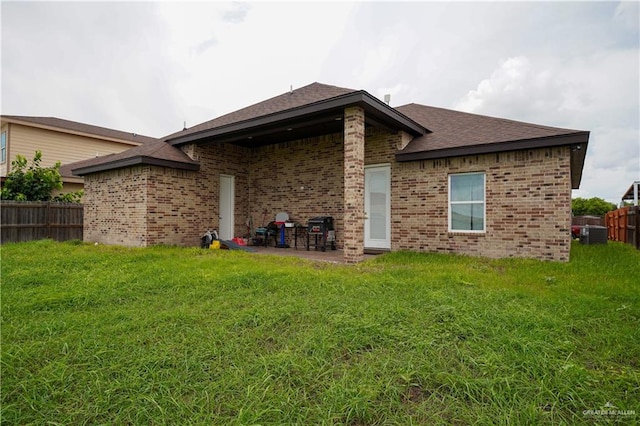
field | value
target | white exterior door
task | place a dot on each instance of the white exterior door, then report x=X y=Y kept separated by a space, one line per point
x=227 y=195
x=377 y=207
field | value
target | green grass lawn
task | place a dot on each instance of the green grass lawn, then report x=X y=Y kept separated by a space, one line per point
x=177 y=336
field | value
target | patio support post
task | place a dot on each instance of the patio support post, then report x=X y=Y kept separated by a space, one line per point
x=353 y=234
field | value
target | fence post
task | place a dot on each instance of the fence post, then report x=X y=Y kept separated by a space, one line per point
x=637 y=230
x=624 y=221
x=47 y=220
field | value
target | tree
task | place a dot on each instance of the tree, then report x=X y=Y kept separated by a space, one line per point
x=591 y=206
x=35 y=183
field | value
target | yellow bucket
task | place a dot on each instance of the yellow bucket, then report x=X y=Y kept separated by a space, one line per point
x=215 y=244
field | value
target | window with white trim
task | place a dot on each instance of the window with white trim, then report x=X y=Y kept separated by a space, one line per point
x=467 y=202
x=3 y=147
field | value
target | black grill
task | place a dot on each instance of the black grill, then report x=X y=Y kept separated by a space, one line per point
x=323 y=232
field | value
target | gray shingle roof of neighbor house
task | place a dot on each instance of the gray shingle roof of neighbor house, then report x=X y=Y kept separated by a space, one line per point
x=438 y=132
x=53 y=123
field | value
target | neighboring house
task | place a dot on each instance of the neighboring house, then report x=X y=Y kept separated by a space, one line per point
x=59 y=140
x=407 y=178
x=632 y=194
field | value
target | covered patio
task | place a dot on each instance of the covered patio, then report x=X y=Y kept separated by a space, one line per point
x=302 y=153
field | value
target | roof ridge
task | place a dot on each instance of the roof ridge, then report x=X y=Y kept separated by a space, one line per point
x=305 y=95
x=291 y=91
x=158 y=147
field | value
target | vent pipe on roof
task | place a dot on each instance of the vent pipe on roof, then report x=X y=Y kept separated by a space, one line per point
x=387 y=98
x=291 y=89
x=184 y=126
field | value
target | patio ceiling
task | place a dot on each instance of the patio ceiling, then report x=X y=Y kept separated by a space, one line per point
x=281 y=131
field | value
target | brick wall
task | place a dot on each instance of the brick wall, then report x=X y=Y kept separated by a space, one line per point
x=176 y=206
x=217 y=159
x=528 y=203
x=528 y=196
x=146 y=205
x=115 y=207
x=303 y=178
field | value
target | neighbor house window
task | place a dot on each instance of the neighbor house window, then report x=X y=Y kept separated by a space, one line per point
x=3 y=147
x=466 y=202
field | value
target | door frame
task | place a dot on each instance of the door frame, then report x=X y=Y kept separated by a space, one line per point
x=369 y=243
x=228 y=206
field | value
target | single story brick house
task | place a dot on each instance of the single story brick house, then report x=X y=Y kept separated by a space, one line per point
x=412 y=177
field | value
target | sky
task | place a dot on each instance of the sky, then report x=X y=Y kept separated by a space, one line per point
x=150 y=67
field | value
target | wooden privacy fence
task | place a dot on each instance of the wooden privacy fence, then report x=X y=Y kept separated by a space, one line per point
x=624 y=225
x=34 y=220
x=588 y=220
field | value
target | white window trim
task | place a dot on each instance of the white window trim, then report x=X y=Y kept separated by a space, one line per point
x=484 y=202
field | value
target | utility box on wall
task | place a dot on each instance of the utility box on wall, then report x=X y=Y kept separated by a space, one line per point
x=593 y=235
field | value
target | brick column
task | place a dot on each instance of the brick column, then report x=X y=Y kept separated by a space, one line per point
x=353 y=185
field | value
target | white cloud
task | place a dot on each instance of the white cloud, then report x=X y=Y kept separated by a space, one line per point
x=205 y=45
x=277 y=45
x=596 y=93
x=237 y=13
x=148 y=66
x=627 y=14
x=519 y=89
x=69 y=60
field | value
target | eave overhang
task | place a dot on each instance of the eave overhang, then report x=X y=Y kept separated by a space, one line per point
x=577 y=141
x=139 y=160
x=322 y=117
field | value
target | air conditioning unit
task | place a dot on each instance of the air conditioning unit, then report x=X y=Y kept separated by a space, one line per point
x=593 y=235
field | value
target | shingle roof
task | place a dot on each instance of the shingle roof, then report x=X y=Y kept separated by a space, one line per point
x=66 y=170
x=156 y=152
x=450 y=133
x=80 y=128
x=454 y=129
x=314 y=92
x=455 y=133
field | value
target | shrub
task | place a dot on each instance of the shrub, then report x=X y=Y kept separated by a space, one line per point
x=32 y=182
